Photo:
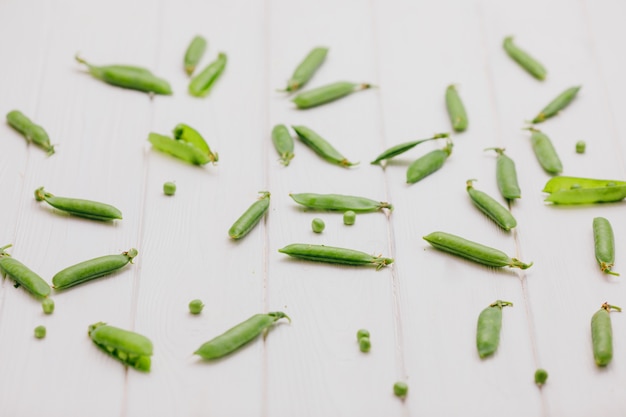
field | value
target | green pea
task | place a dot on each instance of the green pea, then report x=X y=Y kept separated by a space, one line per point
x=362 y=333
x=581 y=146
x=321 y=147
x=541 y=376
x=473 y=251
x=602 y=335
x=31 y=131
x=349 y=217
x=78 y=207
x=400 y=389
x=131 y=348
x=178 y=148
x=191 y=136
x=327 y=93
x=91 y=269
x=456 y=109
x=47 y=305
x=306 y=69
x=524 y=60
x=364 y=344
x=244 y=224
x=494 y=210
x=428 y=164
x=339 y=202
x=201 y=84
x=239 y=335
x=194 y=53
x=506 y=175
x=318 y=225
x=604 y=243
x=545 y=152
x=403 y=147
x=488 y=328
x=283 y=142
x=169 y=188
x=556 y=105
x=575 y=190
x=334 y=255
x=40 y=332
x=126 y=76
x=196 y=306
x=22 y=275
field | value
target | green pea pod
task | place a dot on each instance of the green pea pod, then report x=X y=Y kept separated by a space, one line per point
x=78 y=207
x=488 y=328
x=283 y=142
x=556 y=105
x=321 y=147
x=179 y=149
x=201 y=84
x=31 y=131
x=238 y=336
x=506 y=176
x=22 y=275
x=126 y=76
x=306 y=69
x=427 y=164
x=403 y=147
x=91 y=269
x=494 y=210
x=190 y=135
x=565 y=183
x=526 y=61
x=604 y=244
x=545 y=152
x=244 y=224
x=602 y=335
x=194 y=53
x=334 y=255
x=575 y=190
x=456 y=109
x=130 y=348
x=339 y=202
x=327 y=93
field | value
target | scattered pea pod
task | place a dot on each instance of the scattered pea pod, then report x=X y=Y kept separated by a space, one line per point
x=527 y=62
x=201 y=84
x=306 y=69
x=322 y=147
x=126 y=76
x=79 y=207
x=130 y=348
x=22 y=275
x=604 y=244
x=403 y=147
x=31 y=131
x=330 y=254
x=545 y=152
x=327 y=93
x=238 y=336
x=575 y=190
x=244 y=224
x=506 y=175
x=194 y=53
x=193 y=137
x=556 y=105
x=427 y=164
x=494 y=210
x=179 y=148
x=473 y=251
x=91 y=269
x=602 y=334
x=283 y=142
x=456 y=109
x=488 y=328
x=339 y=202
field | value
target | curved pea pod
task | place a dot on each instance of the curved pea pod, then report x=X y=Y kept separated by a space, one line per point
x=604 y=244
x=334 y=255
x=488 y=328
x=327 y=93
x=130 y=348
x=201 y=84
x=545 y=152
x=602 y=335
x=494 y=210
x=283 y=142
x=79 y=207
x=238 y=336
x=403 y=147
x=22 y=275
x=526 y=61
x=456 y=109
x=307 y=68
x=575 y=190
x=473 y=251
x=31 y=131
x=427 y=164
x=321 y=147
x=130 y=77
x=556 y=105
x=194 y=53
x=244 y=224
x=180 y=149
x=339 y=202
x=506 y=175
x=91 y=269
x=191 y=136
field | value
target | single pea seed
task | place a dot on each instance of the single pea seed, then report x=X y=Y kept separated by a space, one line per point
x=349 y=217
x=318 y=225
x=541 y=375
x=362 y=333
x=195 y=306
x=40 y=332
x=48 y=305
x=580 y=146
x=400 y=389
x=364 y=344
x=169 y=188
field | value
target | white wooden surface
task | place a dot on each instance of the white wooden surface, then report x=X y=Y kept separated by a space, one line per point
x=421 y=312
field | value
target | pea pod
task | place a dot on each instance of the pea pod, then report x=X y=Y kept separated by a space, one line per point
x=201 y=84
x=494 y=210
x=244 y=224
x=283 y=142
x=191 y=136
x=130 y=348
x=179 y=148
x=78 y=207
x=334 y=255
x=604 y=244
x=31 y=131
x=556 y=105
x=91 y=269
x=403 y=147
x=602 y=335
x=22 y=275
x=327 y=93
x=238 y=336
x=575 y=190
x=339 y=202
x=526 y=61
x=456 y=109
x=306 y=69
x=566 y=183
x=194 y=53
x=506 y=175
x=488 y=328
x=321 y=147
x=427 y=164
x=545 y=152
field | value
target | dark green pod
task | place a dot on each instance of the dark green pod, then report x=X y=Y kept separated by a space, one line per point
x=339 y=202
x=494 y=210
x=31 y=131
x=283 y=142
x=545 y=152
x=556 y=105
x=130 y=348
x=79 y=207
x=321 y=146
x=506 y=176
x=179 y=148
x=334 y=255
x=201 y=84
x=456 y=109
x=604 y=244
x=194 y=53
x=527 y=62
x=91 y=269
x=244 y=224
x=190 y=135
x=22 y=275
x=427 y=164
x=602 y=335
x=488 y=328
x=327 y=93
x=403 y=147
x=306 y=69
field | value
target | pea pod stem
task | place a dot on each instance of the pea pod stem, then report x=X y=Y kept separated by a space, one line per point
x=403 y=147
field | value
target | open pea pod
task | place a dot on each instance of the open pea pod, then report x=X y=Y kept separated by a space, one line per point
x=565 y=183
x=130 y=348
x=575 y=190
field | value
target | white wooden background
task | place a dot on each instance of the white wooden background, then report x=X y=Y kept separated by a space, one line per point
x=421 y=312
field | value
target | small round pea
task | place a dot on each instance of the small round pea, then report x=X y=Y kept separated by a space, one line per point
x=169 y=188
x=400 y=389
x=196 y=306
x=362 y=333
x=541 y=375
x=365 y=344
x=47 y=305
x=40 y=332
x=349 y=217
x=580 y=146
x=318 y=225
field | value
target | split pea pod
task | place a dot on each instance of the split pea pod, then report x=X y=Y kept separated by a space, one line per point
x=22 y=275
x=334 y=255
x=556 y=105
x=473 y=251
x=403 y=147
x=238 y=336
x=126 y=76
x=327 y=93
x=545 y=152
x=201 y=84
x=78 y=207
x=321 y=147
x=339 y=202
x=130 y=348
x=244 y=224
x=427 y=164
x=91 y=269
x=283 y=142
x=575 y=190
x=526 y=61
x=306 y=69
x=506 y=175
x=602 y=334
x=604 y=244
x=179 y=148
x=190 y=135
x=456 y=109
x=31 y=131
x=488 y=328
x=194 y=53
x=494 y=210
